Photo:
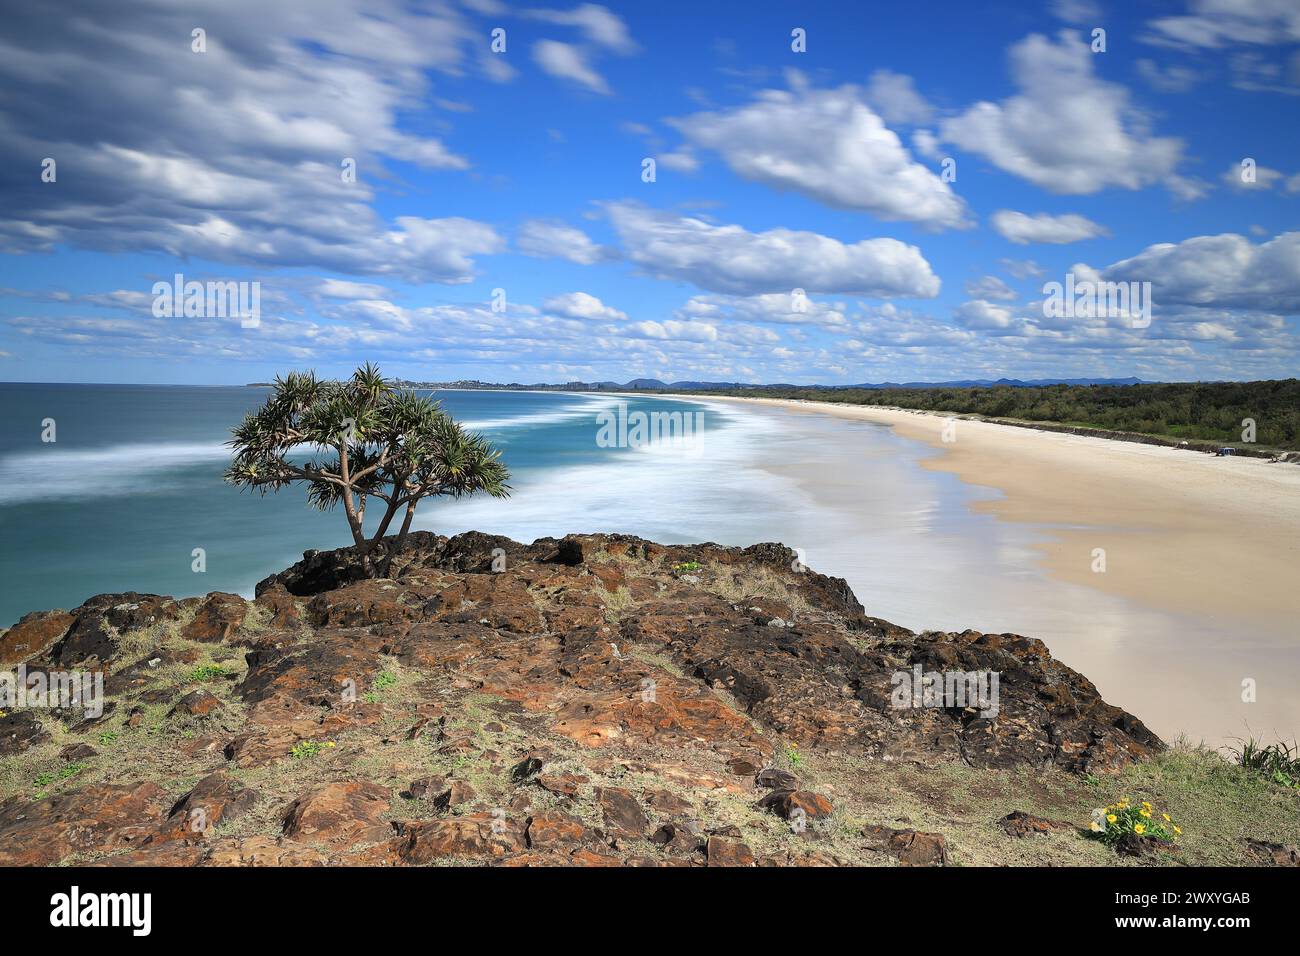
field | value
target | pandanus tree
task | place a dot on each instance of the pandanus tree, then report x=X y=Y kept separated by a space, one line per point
x=361 y=441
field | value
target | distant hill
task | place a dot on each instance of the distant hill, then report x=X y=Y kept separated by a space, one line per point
x=654 y=384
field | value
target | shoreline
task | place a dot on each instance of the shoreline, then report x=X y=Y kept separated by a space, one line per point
x=1199 y=534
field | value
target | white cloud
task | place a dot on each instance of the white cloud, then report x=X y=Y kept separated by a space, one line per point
x=776 y=307
x=598 y=24
x=732 y=259
x=237 y=156
x=1022 y=228
x=1224 y=271
x=680 y=161
x=672 y=329
x=1212 y=24
x=1170 y=79
x=895 y=98
x=1067 y=130
x=992 y=288
x=1078 y=12
x=343 y=289
x=828 y=145
x=568 y=62
x=603 y=30
x=555 y=240
x=1264 y=178
x=980 y=314
x=582 y=305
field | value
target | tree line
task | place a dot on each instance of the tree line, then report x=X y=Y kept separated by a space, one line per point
x=1201 y=411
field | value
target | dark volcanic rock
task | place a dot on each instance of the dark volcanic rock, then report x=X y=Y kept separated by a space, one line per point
x=608 y=707
x=909 y=847
x=19 y=731
x=92 y=638
x=1017 y=823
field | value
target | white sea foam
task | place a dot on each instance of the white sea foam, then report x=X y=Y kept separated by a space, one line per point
x=664 y=492
x=590 y=406
x=59 y=473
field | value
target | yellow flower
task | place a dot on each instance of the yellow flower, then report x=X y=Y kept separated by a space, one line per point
x=1146 y=804
x=1167 y=816
x=1111 y=817
x=1145 y=813
x=330 y=744
x=1178 y=829
x=1139 y=828
x=1095 y=827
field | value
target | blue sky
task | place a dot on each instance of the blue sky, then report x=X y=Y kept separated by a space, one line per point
x=776 y=170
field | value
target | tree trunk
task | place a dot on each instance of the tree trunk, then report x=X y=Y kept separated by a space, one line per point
x=401 y=535
x=350 y=509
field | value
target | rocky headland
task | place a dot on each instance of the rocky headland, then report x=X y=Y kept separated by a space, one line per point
x=592 y=700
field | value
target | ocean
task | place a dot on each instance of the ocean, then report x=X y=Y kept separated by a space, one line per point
x=132 y=485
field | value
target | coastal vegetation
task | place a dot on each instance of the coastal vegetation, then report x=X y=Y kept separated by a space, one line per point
x=360 y=440
x=1191 y=411
x=1279 y=762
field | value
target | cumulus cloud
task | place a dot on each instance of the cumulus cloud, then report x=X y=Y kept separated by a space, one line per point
x=776 y=307
x=555 y=240
x=734 y=260
x=582 y=305
x=1067 y=130
x=1224 y=271
x=1022 y=228
x=672 y=329
x=981 y=314
x=831 y=146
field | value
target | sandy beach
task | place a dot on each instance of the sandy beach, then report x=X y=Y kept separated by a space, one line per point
x=1214 y=541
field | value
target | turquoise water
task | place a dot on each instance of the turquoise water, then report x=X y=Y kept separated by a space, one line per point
x=132 y=485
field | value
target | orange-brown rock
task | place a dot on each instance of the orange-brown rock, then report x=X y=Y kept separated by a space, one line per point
x=217 y=619
x=337 y=811
x=33 y=634
x=97 y=818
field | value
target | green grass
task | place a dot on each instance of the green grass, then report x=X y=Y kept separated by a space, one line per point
x=305 y=749
x=43 y=780
x=1279 y=762
x=207 y=672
